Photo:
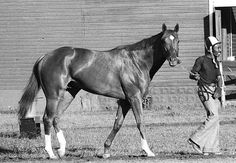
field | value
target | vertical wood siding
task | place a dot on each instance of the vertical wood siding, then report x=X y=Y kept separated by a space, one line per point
x=31 y=28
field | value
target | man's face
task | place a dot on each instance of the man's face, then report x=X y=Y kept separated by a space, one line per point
x=216 y=49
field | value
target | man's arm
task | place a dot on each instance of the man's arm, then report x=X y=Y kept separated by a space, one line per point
x=219 y=87
x=196 y=68
x=219 y=81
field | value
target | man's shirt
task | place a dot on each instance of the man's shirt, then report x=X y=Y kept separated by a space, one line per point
x=207 y=69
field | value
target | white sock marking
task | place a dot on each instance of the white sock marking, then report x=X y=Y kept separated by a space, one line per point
x=48 y=146
x=62 y=140
x=146 y=148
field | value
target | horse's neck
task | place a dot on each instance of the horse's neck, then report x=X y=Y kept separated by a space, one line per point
x=152 y=58
x=147 y=57
x=151 y=55
x=158 y=60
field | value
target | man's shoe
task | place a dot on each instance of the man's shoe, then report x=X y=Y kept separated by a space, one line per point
x=195 y=146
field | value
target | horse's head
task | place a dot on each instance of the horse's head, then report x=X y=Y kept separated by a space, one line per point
x=170 y=43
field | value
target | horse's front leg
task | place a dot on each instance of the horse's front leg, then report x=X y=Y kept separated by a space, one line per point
x=136 y=104
x=123 y=108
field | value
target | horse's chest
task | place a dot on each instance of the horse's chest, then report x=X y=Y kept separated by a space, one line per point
x=132 y=76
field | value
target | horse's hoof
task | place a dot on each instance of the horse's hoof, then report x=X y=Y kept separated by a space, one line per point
x=151 y=154
x=61 y=153
x=51 y=154
x=106 y=155
x=53 y=157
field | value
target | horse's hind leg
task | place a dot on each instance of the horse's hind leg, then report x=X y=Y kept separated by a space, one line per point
x=123 y=108
x=51 y=107
x=62 y=106
x=54 y=110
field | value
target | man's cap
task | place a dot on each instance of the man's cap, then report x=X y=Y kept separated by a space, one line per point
x=211 y=41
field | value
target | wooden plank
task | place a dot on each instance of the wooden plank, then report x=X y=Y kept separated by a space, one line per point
x=224 y=43
x=229 y=73
x=229 y=64
x=230 y=88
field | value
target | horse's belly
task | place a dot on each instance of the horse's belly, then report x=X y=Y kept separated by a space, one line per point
x=102 y=84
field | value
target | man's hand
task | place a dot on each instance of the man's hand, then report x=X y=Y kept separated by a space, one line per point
x=194 y=76
x=217 y=92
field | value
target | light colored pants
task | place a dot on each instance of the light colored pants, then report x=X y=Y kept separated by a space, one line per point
x=207 y=135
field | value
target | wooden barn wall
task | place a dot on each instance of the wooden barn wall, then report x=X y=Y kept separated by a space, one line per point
x=31 y=28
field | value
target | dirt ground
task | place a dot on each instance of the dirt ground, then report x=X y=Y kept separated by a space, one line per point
x=167 y=130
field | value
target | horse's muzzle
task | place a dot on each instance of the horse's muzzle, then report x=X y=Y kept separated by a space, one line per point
x=174 y=61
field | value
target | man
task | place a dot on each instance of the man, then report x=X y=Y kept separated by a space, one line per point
x=206 y=71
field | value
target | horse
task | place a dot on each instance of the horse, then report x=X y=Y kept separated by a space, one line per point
x=124 y=73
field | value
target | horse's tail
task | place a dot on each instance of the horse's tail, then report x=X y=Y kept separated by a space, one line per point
x=30 y=91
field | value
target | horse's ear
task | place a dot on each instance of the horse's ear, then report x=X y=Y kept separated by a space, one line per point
x=164 y=27
x=176 y=28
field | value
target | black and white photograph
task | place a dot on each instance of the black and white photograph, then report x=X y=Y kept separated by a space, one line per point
x=118 y=81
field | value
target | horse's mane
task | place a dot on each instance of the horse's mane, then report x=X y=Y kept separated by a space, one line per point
x=147 y=42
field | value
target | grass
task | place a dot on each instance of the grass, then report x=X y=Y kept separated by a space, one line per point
x=167 y=130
